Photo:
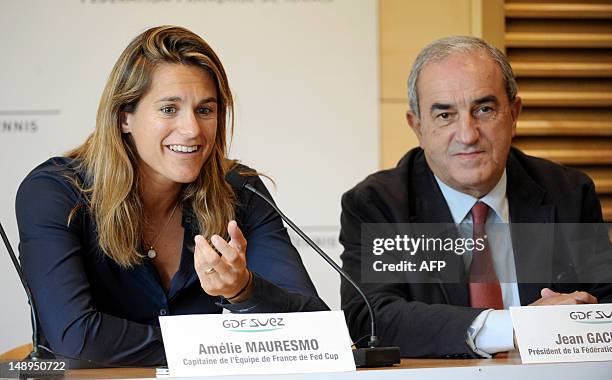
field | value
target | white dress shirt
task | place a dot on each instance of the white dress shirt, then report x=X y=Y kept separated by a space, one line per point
x=492 y=330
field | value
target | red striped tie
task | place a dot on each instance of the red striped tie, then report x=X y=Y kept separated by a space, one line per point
x=485 y=291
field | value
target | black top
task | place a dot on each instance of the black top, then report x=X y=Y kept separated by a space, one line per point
x=90 y=308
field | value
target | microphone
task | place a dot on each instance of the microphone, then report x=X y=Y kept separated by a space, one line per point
x=36 y=353
x=372 y=356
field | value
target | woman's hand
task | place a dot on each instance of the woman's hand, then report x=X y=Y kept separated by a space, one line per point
x=225 y=274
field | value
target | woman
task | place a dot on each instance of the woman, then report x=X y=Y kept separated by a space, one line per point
x=117 y=232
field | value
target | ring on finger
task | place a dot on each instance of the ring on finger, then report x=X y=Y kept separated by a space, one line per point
x=210 y=270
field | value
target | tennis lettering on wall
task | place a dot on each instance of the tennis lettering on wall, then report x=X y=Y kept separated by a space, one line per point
x=24 y=121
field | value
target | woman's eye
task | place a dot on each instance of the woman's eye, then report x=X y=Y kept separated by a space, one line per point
x=168 y=109
x=204 y=111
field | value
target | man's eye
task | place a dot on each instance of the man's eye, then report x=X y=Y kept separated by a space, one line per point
x=485 y=109
x=443 y=116
x=168 y=109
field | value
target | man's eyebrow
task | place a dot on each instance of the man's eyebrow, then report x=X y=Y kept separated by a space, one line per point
x=440 y=106
x=485 y=99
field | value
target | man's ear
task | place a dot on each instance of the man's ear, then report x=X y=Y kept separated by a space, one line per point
x=414 y=123
x=515 y=110
x=125 y=122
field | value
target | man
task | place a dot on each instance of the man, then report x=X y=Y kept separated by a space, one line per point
x=464 y=111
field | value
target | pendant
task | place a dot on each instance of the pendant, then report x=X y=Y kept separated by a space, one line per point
x=151 y=253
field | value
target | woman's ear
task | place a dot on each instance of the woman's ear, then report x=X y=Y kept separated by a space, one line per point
x=124 y=117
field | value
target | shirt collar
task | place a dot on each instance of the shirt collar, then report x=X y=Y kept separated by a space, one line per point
x=460 y=203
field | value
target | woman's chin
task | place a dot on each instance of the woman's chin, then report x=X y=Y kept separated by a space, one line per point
x=183 y=177
x=186 y=179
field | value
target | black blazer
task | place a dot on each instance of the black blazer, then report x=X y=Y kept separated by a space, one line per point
x=431 y=320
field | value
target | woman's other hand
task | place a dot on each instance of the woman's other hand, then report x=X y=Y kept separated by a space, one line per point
x=225 y=273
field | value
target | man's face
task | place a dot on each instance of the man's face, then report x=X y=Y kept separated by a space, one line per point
x=467 y=122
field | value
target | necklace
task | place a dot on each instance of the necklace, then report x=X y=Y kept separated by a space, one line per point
x=152 y=253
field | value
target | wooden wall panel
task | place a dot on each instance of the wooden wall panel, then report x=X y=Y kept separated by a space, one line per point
x=559 y=121
x=406 y=26
x=399 y=136
x=561 y=52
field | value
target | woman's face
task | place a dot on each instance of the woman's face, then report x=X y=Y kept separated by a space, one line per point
x=174 y=125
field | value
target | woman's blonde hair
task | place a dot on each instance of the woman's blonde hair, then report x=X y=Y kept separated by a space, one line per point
x=110 y=161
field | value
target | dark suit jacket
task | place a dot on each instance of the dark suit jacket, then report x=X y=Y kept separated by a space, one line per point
x=431 y=320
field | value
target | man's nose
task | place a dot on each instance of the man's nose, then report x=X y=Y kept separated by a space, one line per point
x=467 y=130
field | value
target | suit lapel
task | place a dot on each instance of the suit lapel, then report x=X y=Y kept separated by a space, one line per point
x=429 y=204
x=525 y=196
x=532 y=245
x=430 y=207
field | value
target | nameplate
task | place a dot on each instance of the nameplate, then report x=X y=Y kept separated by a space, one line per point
x=239 y=344
x=564 y=333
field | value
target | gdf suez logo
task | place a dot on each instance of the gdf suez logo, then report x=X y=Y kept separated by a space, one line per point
x=254 y=324
x=591 y=316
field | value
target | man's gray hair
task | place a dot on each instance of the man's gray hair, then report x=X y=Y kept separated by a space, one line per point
x=441 y=49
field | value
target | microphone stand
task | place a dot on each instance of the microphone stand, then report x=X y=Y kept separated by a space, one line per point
x=35 y=354
x=373 y=355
